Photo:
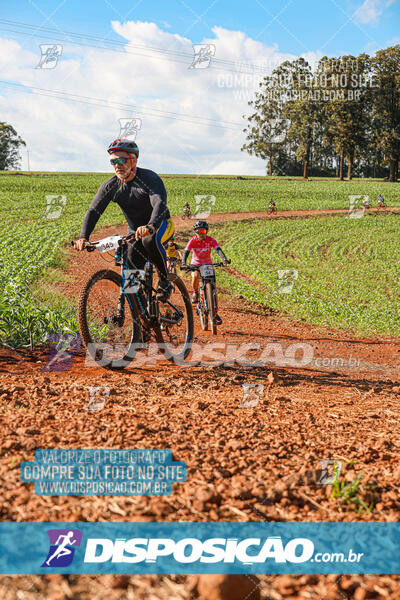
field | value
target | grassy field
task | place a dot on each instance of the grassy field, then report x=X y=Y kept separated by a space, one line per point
x=20 y=194
x=340 y=273
x=31 y=241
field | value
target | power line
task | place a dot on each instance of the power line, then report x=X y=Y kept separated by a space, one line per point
x=163 y=52
x=103 y=103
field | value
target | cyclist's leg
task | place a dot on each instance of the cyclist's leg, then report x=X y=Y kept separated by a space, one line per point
x=218 y=316
x=153 y=245
x=196 y=281
x=216 y=299
x=196 y=286
x=136 y=254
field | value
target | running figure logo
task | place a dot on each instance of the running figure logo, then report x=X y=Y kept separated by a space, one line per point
x=61 y=552
x=203 y=54
x=128 y=128
x=204 y=206
x=50 y=53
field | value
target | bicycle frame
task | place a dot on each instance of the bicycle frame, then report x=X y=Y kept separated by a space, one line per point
x=204 y=280
x=144 y=293
x=142 y=286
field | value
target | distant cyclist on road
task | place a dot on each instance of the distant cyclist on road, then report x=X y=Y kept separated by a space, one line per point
x=366 y=201
x=172 y=250
x=381 y=201
x=201 y=245
x=143 y=199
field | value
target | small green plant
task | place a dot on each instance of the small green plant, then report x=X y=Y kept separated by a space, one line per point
x=351 y=493
x=13 y=462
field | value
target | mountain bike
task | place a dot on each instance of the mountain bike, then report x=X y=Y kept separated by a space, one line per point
x=381 y=203
x=271 y=209
x=207 y=306
x=119 y=314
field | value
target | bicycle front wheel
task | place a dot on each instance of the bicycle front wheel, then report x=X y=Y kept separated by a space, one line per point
x=203 y=313
x=175 y=332
x=108 y=320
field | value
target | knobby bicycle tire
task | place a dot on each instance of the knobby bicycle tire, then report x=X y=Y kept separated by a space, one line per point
x=165 y=347
x=211 y=307
x=97 y=355
x=203 y=314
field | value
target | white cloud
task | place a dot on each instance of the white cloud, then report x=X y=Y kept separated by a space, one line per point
x=69 y=136
x=370 y=11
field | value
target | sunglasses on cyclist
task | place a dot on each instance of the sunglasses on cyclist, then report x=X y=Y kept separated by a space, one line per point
x=201 y=231
x=121 y=160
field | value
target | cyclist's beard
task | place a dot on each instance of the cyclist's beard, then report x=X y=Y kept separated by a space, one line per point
x=123 y=175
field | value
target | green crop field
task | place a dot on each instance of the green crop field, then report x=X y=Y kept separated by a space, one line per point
x=340 y=273
x=33 y=235
x=231 y=195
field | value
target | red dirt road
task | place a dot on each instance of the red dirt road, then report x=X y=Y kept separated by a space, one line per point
x=181 y=222
x=243 y=464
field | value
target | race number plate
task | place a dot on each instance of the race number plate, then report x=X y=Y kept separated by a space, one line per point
x=109 y=243
x=207 y=270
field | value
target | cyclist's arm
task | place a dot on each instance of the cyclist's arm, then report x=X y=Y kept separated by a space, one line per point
x=96 y=209
x=186 y=252
x=219 y=251
x=185 y=256
x=158 y=201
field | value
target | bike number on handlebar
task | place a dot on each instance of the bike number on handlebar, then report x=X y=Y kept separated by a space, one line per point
x=207 y=270
x=109 y=243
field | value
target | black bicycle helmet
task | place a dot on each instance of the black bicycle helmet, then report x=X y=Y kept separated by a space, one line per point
x=200 y=225
x=125 y=145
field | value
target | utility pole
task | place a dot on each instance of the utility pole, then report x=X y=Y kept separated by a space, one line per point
x=29 y=168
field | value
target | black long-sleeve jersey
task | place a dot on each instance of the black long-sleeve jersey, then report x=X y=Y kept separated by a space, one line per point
x=143 y=200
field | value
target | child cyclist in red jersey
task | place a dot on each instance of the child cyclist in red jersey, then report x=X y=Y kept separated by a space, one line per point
x=201 y=245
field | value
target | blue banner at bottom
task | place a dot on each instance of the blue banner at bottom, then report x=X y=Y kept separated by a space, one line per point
x=188 y=548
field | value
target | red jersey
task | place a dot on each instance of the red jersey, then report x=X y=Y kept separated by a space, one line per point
x=202 y=249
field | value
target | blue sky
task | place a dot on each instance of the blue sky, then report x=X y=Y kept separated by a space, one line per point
x=294 y=26
x=197 y=115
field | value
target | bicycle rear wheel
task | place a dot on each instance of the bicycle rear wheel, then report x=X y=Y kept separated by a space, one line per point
x=175 y=333
x=108 y=322
x=212 y=309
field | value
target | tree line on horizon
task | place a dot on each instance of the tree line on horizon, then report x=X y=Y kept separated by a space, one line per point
x=345 y=113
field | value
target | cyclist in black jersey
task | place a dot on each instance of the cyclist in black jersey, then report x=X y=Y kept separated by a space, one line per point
x=142 y=197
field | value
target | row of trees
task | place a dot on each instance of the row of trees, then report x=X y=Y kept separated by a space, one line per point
x=346 y=110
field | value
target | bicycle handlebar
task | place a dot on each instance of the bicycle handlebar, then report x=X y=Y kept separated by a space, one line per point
x=91 y=246
x=197 y=267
